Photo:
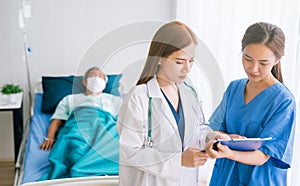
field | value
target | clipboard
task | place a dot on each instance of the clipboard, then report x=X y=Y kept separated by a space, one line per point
x=247 y=144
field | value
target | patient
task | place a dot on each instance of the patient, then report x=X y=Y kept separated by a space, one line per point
x=83 y=129
x=94 y=81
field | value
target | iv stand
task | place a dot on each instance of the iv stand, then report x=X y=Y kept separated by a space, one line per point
x=24 y=13
x=26 y=50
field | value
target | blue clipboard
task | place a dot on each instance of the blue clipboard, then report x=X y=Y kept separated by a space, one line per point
x=247 y=144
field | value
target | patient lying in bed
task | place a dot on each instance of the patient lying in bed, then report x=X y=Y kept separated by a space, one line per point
x=87 y=141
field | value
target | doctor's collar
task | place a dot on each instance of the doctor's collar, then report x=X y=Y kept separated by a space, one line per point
x=153 y=88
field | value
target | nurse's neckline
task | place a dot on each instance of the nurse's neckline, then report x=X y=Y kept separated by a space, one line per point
x=257 y=95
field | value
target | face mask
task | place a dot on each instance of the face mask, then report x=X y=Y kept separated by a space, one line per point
x=95 y=84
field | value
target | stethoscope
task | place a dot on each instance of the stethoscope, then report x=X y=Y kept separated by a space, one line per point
x=148 y=139
x=148 y=142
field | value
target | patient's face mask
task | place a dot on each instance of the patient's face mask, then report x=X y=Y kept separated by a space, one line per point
x=95 y=84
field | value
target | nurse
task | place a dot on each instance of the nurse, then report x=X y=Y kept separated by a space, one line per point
x=160 y=121
x=256 y=107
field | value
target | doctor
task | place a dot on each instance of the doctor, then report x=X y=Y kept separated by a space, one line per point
x=161 y=122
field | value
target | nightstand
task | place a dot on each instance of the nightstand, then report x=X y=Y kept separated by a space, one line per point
x=17 y=109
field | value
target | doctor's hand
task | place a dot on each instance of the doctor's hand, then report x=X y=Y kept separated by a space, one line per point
x=192 y=157
x=222 y=151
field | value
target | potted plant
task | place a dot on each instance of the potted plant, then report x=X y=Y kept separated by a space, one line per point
x=12 y=91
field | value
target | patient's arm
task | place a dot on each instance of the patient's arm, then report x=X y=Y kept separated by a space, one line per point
x=53 y=128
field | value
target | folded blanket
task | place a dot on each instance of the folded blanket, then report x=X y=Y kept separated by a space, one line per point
x=87 y=145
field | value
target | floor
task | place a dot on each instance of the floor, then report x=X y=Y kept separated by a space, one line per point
x=7 y=173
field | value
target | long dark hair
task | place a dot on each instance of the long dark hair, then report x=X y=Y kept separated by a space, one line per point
x=169 y=38
x=273 y=38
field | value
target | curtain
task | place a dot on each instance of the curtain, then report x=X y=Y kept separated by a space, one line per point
x=220 y=25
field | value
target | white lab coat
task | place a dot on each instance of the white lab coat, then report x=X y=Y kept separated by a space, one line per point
x=161 y=164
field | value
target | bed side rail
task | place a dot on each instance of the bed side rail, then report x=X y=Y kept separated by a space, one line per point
x=20 y=160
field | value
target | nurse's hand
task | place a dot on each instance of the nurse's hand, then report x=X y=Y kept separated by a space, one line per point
x=222 y=152
x=213 y=135
x=192 y=157
x=236 y=136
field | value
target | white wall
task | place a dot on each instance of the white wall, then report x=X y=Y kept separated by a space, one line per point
x=11 y=68
x=59 y=33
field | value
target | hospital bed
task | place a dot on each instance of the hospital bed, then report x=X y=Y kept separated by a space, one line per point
x=205 y=78
x=32 y=162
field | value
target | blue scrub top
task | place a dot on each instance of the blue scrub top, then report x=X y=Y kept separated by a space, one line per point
x=270 y=114
x=179 y=117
